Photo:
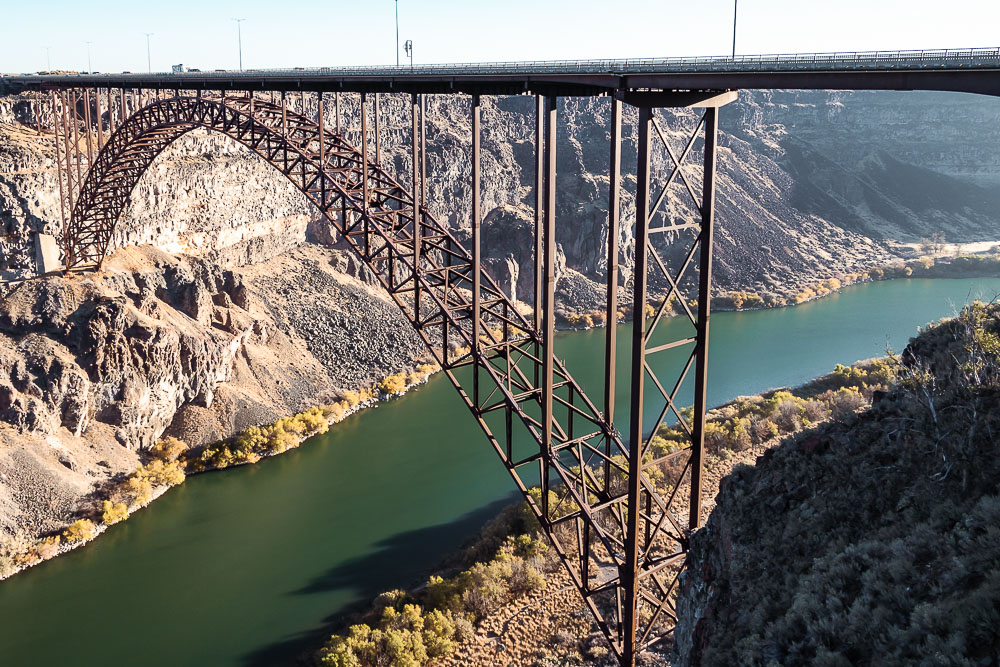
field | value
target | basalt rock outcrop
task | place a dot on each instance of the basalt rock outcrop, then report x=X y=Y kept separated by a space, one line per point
x=127 y=349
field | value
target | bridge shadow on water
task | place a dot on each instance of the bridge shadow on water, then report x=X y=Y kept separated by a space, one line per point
x=400 y=561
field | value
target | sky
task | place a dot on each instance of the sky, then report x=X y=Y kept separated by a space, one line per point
x=309 y=33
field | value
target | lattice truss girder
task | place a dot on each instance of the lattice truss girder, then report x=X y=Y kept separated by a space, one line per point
x=537 y=418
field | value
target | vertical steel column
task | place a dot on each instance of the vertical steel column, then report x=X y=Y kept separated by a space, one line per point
x=59 y=176
x=364 y=170
x=539 y=232
x=423 y=153
x=322 y=154
x=610 y=341
x=100 y=120
x=548 y=335
x=476 y=249
x=284 y=127
x=539 y=207
x=111 y=112
x=250 y=98
x=76 y=138
x=378 y=139
x=87 y=124
x=417 y=213
x=704 y=314
x=123 y=109
x=630 y=575
x=69 y=243
x=336 y=104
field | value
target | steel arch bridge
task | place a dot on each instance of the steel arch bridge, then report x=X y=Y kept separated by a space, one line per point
x=617 y=520
x=549 y=431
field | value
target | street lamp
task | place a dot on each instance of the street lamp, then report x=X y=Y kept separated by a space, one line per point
x=48 y=61
x=149 y=66
x=90 y=68
x=409 y=51
x=736 y=4
x=239 y=39
x=397 y=33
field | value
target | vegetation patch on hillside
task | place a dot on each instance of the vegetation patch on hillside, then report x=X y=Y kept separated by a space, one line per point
x=408 y=629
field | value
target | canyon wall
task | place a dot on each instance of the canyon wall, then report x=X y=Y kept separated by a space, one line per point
x=811 y=183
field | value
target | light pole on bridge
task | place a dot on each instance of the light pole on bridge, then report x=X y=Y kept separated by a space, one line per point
x=149 y=65
x=239 y=39
x=736 y=4
x=48 y=61
x=397 y=33
x=90 y=68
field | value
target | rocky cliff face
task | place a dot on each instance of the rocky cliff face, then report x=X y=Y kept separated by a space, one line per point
x=95 y=369
x=868 y=539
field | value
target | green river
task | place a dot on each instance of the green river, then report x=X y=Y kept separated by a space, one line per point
x=245 y=567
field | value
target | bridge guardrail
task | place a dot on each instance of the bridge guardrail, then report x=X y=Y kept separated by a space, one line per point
x=780 y=62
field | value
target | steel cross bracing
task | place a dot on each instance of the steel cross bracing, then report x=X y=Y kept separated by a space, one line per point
x=613 y=516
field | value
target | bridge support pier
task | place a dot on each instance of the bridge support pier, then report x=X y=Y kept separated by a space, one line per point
x=647 y=596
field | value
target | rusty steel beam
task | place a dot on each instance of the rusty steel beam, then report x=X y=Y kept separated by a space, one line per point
x=539 y=206
x=423 y=151
x=630 y=588
x=336 y=103
x=476 y=248
x=322 y=141
x=548 y=300
x=378 y=139
x=415 y=196
x=704 y=314
x=611 y=305
x=100 y=119
x=59 y=173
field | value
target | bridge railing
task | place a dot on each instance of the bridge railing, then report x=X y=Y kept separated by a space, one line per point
x=842 y=60
x=777 y=62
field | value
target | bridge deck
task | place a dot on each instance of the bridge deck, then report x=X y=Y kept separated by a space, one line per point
x=960 y=70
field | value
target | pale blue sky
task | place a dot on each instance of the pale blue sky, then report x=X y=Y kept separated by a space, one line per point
x=309 y=33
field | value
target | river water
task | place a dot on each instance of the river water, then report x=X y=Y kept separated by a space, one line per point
x=245 y=566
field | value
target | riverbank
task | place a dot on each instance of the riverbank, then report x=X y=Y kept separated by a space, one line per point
x=982 y=264
x=171 y=461
x=506 y=598
x=95 y=368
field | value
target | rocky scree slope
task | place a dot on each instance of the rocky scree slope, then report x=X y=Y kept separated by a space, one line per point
x=870 y=541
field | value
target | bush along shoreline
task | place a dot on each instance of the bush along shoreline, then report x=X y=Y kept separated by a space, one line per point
x=170 y=461
x=511 y=560
x=873 y=541
x=960 y=266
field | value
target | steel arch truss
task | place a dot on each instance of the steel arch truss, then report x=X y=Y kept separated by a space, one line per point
x=614 y=524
